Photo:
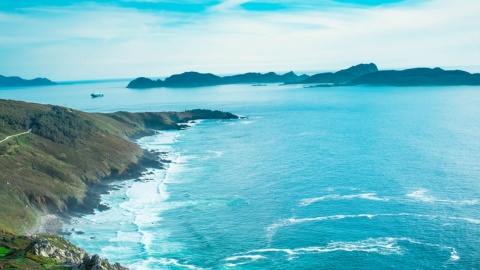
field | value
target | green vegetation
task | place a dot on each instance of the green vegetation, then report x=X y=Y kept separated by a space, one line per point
x=4 y=251
x=52 y=167
x=16 y=253
x=67 y=151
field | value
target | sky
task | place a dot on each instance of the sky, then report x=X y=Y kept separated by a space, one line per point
x=104 y=39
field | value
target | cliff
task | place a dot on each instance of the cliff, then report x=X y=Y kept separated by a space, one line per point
x=67 y=153
x=47 y=252
x=418 y=77
x=17 y=82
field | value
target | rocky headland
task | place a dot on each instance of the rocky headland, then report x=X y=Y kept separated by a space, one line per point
x=62 y=166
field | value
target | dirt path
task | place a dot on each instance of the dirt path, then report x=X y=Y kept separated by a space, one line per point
x=16 y=135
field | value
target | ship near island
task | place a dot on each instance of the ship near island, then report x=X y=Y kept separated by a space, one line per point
x=239 y=135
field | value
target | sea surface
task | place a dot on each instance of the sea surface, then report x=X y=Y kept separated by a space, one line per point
x=314 y=178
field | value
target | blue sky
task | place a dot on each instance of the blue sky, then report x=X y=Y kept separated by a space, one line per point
x=96 y=39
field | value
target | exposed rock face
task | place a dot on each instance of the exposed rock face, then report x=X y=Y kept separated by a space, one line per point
x=69 y=255
x=342 y=76
x=43 y=247
x=418 y=76
x=17 y=81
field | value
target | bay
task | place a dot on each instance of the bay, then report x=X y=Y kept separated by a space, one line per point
x=336 y=178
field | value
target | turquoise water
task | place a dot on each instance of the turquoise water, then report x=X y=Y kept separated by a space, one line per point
x=315 y=178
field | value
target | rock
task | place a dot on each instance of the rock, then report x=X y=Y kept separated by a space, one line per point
x=71 y=256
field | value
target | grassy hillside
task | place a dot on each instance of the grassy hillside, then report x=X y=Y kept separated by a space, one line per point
x=66 y=152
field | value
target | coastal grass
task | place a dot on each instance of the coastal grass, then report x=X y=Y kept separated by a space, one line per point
x=53 y=167
x=4 y=251
x=15 y=252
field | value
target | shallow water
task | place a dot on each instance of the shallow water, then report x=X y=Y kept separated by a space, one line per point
x=342 y=178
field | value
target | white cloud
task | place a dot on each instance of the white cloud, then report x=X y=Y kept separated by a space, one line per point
x=109 y=42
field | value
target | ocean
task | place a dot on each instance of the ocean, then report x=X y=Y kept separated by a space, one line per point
x=314 y=178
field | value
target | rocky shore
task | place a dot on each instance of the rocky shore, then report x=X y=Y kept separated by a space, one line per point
x=61 y=169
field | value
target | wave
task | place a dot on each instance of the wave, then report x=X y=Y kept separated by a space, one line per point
x=421 y=195
x=272 y=229
x=365 y=196
x=153 y=263
x=243 y=259
x=383 y=245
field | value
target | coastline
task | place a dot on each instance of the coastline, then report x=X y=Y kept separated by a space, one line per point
x=53 y=222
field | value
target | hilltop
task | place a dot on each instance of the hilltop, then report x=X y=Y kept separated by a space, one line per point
x=17 y=82
x=342 y=76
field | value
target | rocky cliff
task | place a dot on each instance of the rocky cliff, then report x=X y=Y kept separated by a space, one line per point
x=67 y=153
x=48 y=252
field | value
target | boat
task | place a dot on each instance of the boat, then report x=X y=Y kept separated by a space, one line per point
x=95 y=95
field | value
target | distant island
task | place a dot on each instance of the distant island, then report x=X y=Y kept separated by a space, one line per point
x=195 y=79
x=361 y=74
x=18 y=82
x=418 y=77
x=340 y=77
x=59 y=160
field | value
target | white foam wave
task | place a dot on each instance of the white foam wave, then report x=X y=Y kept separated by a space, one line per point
x=470 y=220
x=247 y=122
x=423 y=196
x=132 y=237
x=365 y=196
x=383 y=245
x=152 y=263
x=243 y=259
x=272 y=229
x=215 y=153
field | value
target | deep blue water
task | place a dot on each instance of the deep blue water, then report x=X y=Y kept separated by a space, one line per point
x=329 y=178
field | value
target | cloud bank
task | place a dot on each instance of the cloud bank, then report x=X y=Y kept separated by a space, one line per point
x=104 y=40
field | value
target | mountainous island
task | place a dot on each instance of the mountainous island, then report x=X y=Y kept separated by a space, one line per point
x=418 y=77
x=361 y=74
x=195 y=79
x=18 y=82
x=58 y=160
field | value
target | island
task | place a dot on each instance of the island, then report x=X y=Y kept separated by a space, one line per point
x=418 y=77
x=19 y=82
x=59 y=160
x=361 y=74
x=196 y=79
x=339 y=77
